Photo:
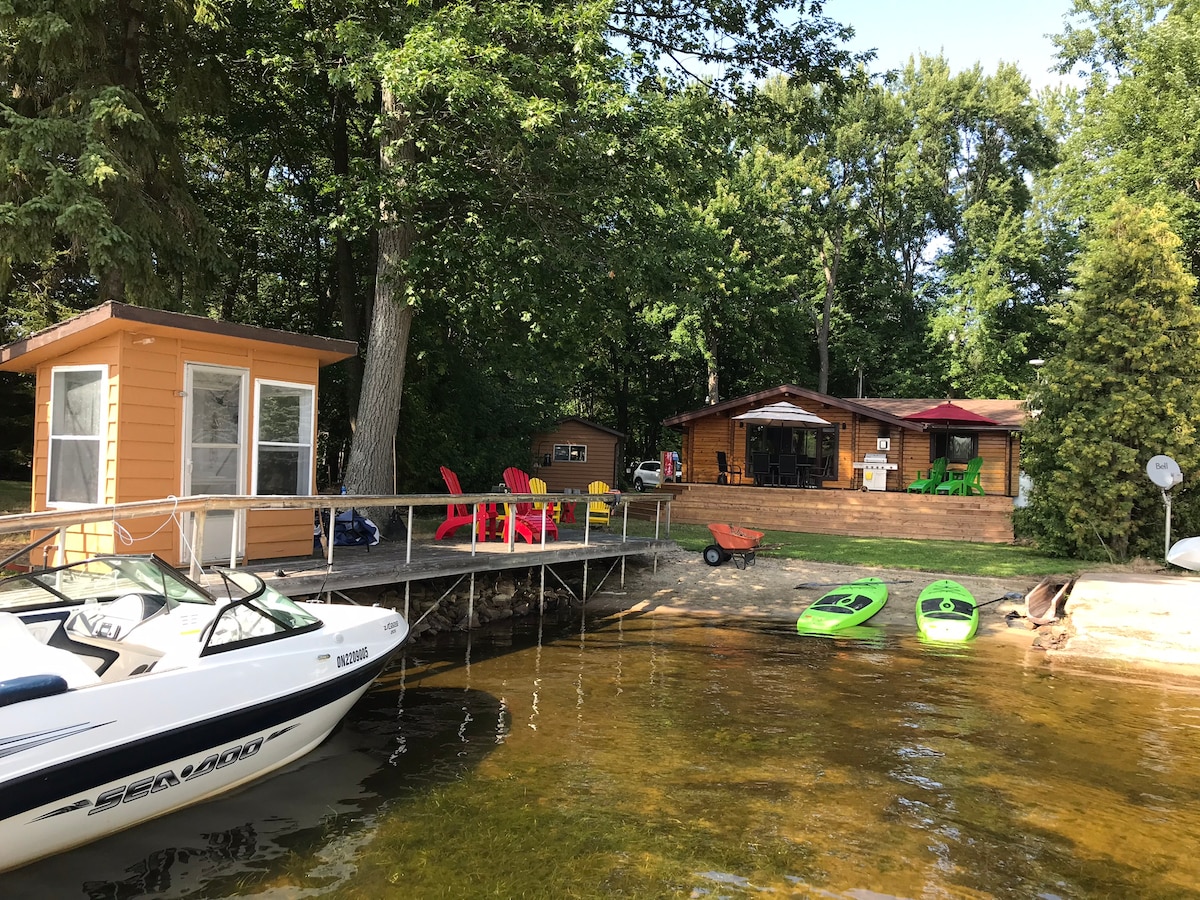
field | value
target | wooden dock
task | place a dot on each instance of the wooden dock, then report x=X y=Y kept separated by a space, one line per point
x=398 y=563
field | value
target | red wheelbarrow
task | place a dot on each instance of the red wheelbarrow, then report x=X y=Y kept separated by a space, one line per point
x=733 y=543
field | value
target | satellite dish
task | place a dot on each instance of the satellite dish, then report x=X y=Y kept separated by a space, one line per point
x=1164 y=472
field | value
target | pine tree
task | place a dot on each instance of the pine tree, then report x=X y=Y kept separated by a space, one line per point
x=1121 y=391
x=94 y=203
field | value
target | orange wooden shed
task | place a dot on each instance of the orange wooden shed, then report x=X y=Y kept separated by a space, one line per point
x=142 y=404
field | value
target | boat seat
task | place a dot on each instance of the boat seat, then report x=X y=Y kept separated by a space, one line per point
x=24 y=655
x=114 y=621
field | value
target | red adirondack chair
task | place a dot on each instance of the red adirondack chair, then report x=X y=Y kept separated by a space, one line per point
x=529 y=522
x=460 y=514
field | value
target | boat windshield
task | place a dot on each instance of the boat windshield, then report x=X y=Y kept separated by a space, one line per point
x=256 y=613
x=98 y=579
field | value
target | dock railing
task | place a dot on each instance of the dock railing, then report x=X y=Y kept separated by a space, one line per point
x=61 y=521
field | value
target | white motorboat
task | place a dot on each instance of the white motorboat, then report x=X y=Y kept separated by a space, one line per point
x=1185 y=553
x=127 y=691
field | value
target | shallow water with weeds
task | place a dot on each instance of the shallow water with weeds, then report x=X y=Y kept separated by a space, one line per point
x=669 y=756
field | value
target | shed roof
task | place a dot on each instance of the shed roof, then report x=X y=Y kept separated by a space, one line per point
x=590 y=424
x=100 y=321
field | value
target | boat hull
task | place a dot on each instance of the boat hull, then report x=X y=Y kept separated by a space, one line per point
x=844 y=607
x=89 y=762
x=1185 y=553
x=946 y=611
x=1044 y=603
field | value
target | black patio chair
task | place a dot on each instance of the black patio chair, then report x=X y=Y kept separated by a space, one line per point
x=760 y=466
x=818 y=475
x=789 y=475
x=725 y=470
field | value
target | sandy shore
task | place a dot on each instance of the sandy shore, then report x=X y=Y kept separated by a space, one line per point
x=1127 y=618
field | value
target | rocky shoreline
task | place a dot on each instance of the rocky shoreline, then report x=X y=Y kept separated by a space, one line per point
x=1124 y=617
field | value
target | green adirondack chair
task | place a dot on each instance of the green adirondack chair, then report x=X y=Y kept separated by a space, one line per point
x=928 y=484
x=968 y=485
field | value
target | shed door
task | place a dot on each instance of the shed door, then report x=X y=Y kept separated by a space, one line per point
x=215 y=435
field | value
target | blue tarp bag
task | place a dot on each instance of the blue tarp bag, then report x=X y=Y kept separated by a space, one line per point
x=352 y=530
x=349 y=530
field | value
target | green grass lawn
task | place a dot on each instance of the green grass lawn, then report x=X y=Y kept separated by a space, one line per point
x=949 y=557
x=14 y=497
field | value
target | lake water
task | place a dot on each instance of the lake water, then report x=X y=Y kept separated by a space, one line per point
x=665 y=756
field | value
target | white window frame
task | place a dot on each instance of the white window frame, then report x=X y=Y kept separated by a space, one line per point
x=99 y=438
x=259 y=384
x=572 y=453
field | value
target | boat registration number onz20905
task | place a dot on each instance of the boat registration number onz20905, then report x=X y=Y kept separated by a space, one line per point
x=143 y=787
x=354 y=656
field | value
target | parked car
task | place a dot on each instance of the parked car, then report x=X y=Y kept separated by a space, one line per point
x=648 y=474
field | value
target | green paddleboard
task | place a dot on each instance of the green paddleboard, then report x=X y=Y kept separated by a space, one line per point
x=946 y=611
x=843 y=607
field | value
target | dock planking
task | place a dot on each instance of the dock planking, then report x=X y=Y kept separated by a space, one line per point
x=393 y=563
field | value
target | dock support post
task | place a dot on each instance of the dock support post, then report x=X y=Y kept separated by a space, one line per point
x=194 y=569
x=583 y=597
x=542 y=592
x=329 y=542
x=471 y=603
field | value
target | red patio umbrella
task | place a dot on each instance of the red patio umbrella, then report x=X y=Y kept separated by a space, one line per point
x=949 y=414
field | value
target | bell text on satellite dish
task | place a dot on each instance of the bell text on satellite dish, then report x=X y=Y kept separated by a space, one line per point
x=1164 y=472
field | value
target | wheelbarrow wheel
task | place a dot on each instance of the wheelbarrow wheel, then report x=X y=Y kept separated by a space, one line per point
x=713 y=555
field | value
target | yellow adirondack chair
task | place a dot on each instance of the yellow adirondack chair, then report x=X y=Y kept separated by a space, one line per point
x=537 y=486
x=599 y=512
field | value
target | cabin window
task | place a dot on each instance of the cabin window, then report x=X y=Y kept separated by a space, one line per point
x=283 y=447
x=570 y=453
x=76 y=428
x=957 y=447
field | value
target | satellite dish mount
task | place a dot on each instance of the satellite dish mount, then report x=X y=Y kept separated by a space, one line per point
x=1165 y=472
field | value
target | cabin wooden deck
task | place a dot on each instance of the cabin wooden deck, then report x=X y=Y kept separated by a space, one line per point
x=893 y=514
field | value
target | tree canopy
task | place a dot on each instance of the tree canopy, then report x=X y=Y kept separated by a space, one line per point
x=618 y=210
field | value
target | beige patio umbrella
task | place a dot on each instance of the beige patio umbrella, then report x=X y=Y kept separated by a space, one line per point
x=784 y=414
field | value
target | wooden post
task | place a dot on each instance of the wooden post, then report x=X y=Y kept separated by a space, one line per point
x=194 y=570
x=332 y=529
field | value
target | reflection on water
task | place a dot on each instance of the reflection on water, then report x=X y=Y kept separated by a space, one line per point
x=674 y=757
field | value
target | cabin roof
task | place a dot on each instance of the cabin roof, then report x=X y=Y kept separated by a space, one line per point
x=786 y=392
x=100 y=321
x=1007 y=414
x=1010 y=414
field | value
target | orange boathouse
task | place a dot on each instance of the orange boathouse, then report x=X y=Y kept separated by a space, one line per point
x=140 y=404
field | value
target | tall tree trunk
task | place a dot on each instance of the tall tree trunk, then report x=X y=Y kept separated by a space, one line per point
x=344 y=280
x=371 y=467
x=713 y=393
x=831 y=260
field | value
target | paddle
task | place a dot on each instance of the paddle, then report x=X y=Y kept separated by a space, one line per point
x=1011 y=595
x=820 y=584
